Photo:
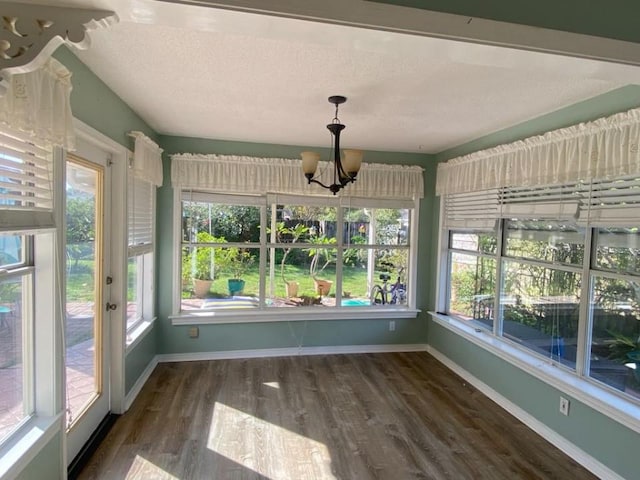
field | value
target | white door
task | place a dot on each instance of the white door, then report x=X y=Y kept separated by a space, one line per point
x=87 y=294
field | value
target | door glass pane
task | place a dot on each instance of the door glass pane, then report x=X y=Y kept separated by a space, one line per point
x=83 y=299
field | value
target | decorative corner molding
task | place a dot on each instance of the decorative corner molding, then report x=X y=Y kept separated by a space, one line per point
x=29 y=34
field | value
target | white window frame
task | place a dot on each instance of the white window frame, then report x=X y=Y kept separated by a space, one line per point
x=144 y=254
x=179 y=317
x=603 y=398
x=46 y=307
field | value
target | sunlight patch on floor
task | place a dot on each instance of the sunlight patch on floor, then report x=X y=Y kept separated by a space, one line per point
x=143 y=468
x=270 y=450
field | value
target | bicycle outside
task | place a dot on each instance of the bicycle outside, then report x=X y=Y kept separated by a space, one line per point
x=384 y=294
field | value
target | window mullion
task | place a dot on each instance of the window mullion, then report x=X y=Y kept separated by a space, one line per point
x=339 y=253
x=563 y=267
x=262 y=284
x=371 y=254
x=584 y=316
x=497 y=307
x=28 y=343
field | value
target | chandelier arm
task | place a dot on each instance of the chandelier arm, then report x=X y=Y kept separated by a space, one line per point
x=333 y=188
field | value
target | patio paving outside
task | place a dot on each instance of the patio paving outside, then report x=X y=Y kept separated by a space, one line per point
x=79 y=368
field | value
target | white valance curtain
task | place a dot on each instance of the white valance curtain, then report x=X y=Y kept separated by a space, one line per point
x=603 y=149
x=251 y=175
x=38 y=105
x=35 y=117
x=145 y=176
x=147 y=159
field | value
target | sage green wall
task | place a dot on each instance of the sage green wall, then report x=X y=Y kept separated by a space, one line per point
x=614 y=19
x=47 y=464
x=604 y=439
x=99 y=107
x=615 y=101
x=283 y=334
x=137 y=360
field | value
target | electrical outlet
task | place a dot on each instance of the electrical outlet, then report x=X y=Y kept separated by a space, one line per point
x=193 y=332
x=392 y=325
x=564 y=406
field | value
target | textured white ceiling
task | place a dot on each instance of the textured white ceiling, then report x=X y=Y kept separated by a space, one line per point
x=209 y=73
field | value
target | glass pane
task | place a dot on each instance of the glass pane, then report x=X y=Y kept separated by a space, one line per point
x=84 y=206
x=540 y=309
x=11 y=250
x=483 y=242
x=358 y=278
x=381 y=226
x=291 y=281
x=305 y=224
x=471 y=288
x=12 y=355
x=615 y=338
x=230 y=223
x=618 y=249
x=134 y=289
x=220 y=277
x=389 y=276
x=550 y=241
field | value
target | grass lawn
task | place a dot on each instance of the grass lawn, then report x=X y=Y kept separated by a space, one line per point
x=80 y=287
x=354 y=281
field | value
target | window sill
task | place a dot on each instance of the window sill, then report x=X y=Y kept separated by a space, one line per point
x=135 y=336
x=26 y=443
x=585 y=391
x=291 y=315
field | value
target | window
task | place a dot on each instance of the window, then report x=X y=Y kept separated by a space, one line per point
x=473 y=271
x=26 y=204
x=16 y=341
x=220 y=252
x=140 y=213
x=278 y=251
x=566 y=275
x=615 y=309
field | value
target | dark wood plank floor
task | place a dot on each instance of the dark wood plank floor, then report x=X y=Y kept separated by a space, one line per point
x=379 y=416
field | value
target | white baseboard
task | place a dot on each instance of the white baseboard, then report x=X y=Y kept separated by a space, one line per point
x=579 y=455
x=142 y=379
x=289 y=352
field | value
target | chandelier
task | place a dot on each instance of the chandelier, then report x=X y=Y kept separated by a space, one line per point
x=344 y=170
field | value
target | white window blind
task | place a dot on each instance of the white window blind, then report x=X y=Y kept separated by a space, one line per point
x=557 y=202
x=26 y=182
x=474 y=210
x=611 y=202
x=596 y=203
x=140 y=208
